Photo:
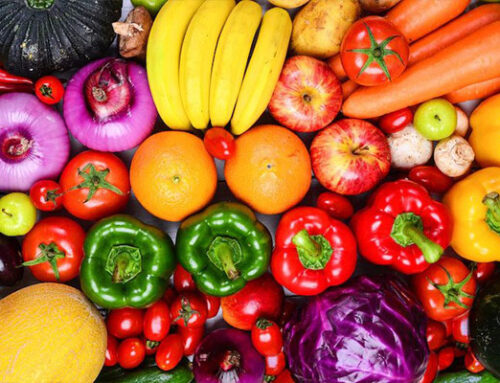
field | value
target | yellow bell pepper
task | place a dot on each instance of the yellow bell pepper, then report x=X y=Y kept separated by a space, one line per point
x=485 y=136
x=474 y=203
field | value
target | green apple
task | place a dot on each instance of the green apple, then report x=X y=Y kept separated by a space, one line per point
x=435 y=119
x=17 y=214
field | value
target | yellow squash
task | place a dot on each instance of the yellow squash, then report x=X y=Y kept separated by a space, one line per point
x=163 y=57
x=485 y=136
x=474 y=203
x=231 y=56
x=263 y=70
x=50 y=333
x=197 y=57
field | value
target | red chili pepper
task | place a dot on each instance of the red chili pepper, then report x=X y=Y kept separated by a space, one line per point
x=403 y=226
x=432 y=369
x=460 y=328
x=9 y=78
x=446 y=356
x=8 y=87
x=313 y=251
x=471 y=363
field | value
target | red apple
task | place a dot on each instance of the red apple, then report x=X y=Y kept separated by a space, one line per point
x=308 y=95
x=350 y=156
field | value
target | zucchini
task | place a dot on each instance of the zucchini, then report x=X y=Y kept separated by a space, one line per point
x=147 y=373
x=466 y=377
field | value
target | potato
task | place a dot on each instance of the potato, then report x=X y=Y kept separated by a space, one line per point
x=319 y=27
x=378 y=6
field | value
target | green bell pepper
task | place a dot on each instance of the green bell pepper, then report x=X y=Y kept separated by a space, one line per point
x=223 y=247
x=153 y=6
x=127 y=263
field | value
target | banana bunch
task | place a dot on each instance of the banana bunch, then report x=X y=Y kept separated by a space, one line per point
x=197 y=58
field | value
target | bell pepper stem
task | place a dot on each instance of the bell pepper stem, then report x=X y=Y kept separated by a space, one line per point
x=226 y=258
x=308 y=245
x=431 y=250
x=225 y=253
x=314 y=251
x=120 y=269
x=492 y=202
x=123 y=263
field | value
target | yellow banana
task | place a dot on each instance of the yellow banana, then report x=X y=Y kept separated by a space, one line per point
x=163 y=55
x=231 y=57
x=197 y=57
x=263 y=70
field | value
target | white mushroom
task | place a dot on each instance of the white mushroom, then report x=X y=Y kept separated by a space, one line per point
x=409 y=148
x=453 y=156
x=462 y=122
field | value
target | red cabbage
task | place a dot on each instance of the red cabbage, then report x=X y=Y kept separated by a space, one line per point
x=371 y=329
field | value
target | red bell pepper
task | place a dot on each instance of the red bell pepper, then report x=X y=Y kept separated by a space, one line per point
x=313 y=251
x=403 y=226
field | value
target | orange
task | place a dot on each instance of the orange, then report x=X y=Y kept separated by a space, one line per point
x=270 y=170
x=172 y=175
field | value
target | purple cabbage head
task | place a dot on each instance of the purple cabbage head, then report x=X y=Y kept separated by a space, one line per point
x=370 y=330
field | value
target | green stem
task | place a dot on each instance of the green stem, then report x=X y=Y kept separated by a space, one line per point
x=492 y=202
x=314 y=251
x=225 y=253
x=124 y=263
x=48 y=253
x=453 y=291
x=40 y=4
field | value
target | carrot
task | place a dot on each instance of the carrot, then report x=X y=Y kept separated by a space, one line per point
x=475 y=91
x=415 y=19
x=454 y=31
x=473 y=59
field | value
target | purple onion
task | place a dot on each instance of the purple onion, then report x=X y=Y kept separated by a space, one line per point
x=34 y=142
x=227 y=356
x=108 y=105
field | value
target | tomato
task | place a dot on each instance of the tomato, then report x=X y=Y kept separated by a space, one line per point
x=460 y=328
x=191 y=338
x=49 y=90
x=446 y=356
x=431 y=178
x=111 y=352
x=46 y=195
x=157 y=321
x=183 y=281
x=284 y=377
x=213 y=305
x=95 y=185
x=471 y=363
x=170 y=352
x=260 y=298
x=436 y=334
x=483 y=271
x=131 y=353
x=431 y=370
x=396 y=121
x=374 y=51
x=219 y=143
x=336 y=205
x=53 y=249
x=189 y=310
x=266 y=337
x=151 y=346
x=275 y=364
x=125 y=323
x=169 y=295
x=446 y=289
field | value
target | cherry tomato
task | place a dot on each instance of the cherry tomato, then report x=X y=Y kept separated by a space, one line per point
x=157 y=321
x=284 y=377
x=374 y=51
x=170 y=352
x=446 y=288
x=446 y=356
x=219 y=143
x=460 y=328
x=436 y=334
x=131 y=353
x=95 y=185
x=336 y=205
x=447 y=325
x=183 y=281
x=53 y=249
x=46 y=195
x=266 y=337
x=49 y=90
x=275 y=364
x=483 y=271
x=169 y=295
x=471 y=363
x=396 y=121
x=213 y=305
x=111 y=352
x=431 y=370
x=189 y=310
x=125 y=323
x=191 y=338
x=151 y=346
x=289 y=307
x=459 y=351
x=431 y=178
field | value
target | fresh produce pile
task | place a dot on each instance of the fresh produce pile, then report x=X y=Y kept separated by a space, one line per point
x=242 y=191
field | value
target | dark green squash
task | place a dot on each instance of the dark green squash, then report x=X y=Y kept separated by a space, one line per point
x=484 y=326
x=38 y=37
